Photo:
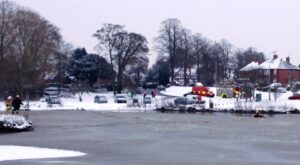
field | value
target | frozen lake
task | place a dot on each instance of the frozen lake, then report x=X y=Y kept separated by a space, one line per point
x=113 y=138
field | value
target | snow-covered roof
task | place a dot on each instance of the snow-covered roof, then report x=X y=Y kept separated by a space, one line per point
x=270 y=64
x=277 y=64
x=253 y=65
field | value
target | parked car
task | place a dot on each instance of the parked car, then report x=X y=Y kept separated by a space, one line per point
x=296 y=96
x=100 y=99
x=281 y=90
x=147 y=99
x=192 y=99
x=50 y=91
x=120 y=98
x=181 y=103
x=53 y=100
x=275 y=85
x=43 y=99
x=135 y=100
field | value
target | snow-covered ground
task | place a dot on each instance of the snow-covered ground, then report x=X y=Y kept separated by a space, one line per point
x=281 y=104
x=72 y=103
x=8 y=152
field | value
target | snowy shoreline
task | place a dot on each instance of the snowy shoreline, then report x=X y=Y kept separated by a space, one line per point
x=281 y=105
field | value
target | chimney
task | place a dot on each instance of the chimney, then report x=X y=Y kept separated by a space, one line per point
x=288 y=59
x=275 y=56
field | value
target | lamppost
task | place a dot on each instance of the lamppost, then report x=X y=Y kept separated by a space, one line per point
x=269 y=88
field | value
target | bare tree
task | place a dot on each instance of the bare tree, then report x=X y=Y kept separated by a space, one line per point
x=107 y=36
x=36 y=43
x=7 y=37
x=61 y=60
x=129 y=48
x=168 y=40
x=197 y=43
x=7 y=27
x=226 y=53
x=107 y=39
x=244 y=57
x=185 y=52
x=207 y=63
x=27 y=44
x=221 y=51
x=139 y=69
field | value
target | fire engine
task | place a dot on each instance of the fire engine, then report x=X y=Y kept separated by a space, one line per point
x=202 y=91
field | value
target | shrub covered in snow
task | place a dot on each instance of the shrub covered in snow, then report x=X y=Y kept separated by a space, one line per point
x=14 y=123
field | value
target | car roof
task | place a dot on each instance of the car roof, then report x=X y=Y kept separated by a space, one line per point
x=120 y=95
x=100 y=96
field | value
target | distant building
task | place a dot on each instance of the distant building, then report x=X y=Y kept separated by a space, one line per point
x=191 y=76
x=270 y=71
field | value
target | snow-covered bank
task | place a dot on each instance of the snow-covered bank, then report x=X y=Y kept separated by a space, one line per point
x=73 y=103
x=14 y=123
x=281 y=104
x=8 y=152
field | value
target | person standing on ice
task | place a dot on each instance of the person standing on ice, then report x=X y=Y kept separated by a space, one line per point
x=8 y=104
x=16 y=103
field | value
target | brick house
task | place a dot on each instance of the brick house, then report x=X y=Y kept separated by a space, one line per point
x=270 y=71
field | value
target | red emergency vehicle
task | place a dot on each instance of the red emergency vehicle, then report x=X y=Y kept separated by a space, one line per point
x=202 y=91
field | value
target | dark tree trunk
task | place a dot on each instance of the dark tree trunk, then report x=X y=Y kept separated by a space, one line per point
x=120 y=78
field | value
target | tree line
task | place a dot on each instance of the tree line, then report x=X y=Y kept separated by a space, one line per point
x=33 y=53
x=179 y=49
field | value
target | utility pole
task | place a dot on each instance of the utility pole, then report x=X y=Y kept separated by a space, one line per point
x=269 y=83
x=216 y=72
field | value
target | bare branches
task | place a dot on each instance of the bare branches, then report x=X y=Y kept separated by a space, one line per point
x=167 y=43
x=27 y=44
x=123 y=48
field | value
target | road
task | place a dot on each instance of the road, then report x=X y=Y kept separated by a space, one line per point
x=112 y=138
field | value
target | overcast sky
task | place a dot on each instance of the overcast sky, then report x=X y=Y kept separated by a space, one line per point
x=267 y=25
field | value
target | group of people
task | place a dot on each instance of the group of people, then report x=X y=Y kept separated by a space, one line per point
x=13 y=104
x=153 y=94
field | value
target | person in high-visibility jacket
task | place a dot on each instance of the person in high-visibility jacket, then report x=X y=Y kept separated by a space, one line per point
x=8 y=104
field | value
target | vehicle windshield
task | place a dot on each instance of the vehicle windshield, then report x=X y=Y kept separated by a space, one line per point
x=183 y=101
x=53 y=97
